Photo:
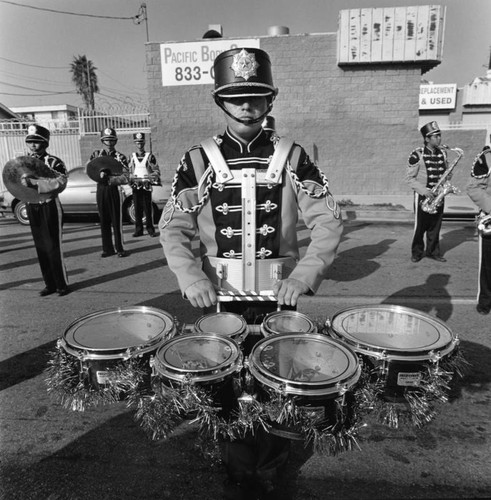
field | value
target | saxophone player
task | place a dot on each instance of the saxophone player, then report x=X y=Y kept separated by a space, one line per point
x=479 y=190
x=432 y=160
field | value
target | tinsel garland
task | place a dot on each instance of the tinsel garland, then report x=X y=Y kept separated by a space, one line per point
x=417 y=405
x=70 y=387
x=160 y=412
x=328 y=436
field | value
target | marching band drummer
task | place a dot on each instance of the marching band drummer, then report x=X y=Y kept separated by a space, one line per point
x=433 y=161
x=255 y=237
x=45 y=218
x=479 y=190
x=109 y=199
x=144 y=171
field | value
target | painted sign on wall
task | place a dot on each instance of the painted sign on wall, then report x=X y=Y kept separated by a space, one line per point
x=438 y=96
x=191 y=63
x=394 y=34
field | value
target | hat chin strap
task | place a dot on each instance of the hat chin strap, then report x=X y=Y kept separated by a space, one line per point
x=245 y=121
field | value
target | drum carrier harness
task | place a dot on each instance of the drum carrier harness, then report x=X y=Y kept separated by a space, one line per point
x=244 y=271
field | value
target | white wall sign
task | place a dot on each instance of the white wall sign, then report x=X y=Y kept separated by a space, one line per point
x=437 y=96
x=191 y=63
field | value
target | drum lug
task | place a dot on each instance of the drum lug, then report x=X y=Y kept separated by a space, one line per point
x=151 y=363
x=84 y=371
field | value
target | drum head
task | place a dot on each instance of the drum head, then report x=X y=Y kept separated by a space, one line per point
x=304 y=364
x=119 y=329
x=223 y=323
x=197 y=357
x=286 y=322
x=390 y=328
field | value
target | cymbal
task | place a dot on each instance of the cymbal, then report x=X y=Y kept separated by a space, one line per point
x=95 y=166
x=14 y=169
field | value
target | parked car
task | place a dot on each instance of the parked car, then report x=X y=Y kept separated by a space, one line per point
x=79 y=198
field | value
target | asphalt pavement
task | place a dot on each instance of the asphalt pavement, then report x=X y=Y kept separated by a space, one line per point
x=48 y=452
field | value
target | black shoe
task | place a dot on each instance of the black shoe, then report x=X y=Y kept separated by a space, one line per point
x=107 y=254
x=482 y=310
x=123 y=253
x=137 y=234
x=437 y=258
x=152 y=235
x=63 y=291
x=47 y=291
x=416 y=259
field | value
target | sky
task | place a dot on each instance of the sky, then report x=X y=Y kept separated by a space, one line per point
x=37 y=46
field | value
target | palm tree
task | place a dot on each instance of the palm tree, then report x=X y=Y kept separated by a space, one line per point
x=85 y=79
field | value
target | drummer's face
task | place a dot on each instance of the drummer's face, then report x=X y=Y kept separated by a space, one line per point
x=109 y=143
x=37 y=147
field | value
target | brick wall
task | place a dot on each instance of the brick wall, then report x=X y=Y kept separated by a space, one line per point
x=359 y=122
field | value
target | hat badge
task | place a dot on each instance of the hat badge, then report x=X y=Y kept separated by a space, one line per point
x=244 y=65
x=32 y=129
x=139 y=135
x=108 y=131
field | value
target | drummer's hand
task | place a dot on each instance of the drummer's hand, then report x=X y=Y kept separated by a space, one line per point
x=201 y=294
x=25 y=180
x=288 y=290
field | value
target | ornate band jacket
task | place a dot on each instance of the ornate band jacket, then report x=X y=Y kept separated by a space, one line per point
x=55 y=184
x=434 y=163
x=479 y=186
x=114 y=180
x=199 y=203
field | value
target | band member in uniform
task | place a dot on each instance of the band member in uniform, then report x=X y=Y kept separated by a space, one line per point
x=144 y=172
x=432 y=160
x=46 y=218
x=479 y=190
x=109 y=197
x=257 y=240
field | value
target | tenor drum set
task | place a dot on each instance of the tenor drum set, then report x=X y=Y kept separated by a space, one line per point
x=300 y=380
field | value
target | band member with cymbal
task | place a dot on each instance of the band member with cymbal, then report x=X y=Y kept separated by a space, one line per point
x=479 y=190
x=241 y=192
x=109 y=196
x=432 y=160
x=46 y=217
x=144 y=172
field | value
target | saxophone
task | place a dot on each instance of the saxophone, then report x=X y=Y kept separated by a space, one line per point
x=483 y=221
x=443 y=187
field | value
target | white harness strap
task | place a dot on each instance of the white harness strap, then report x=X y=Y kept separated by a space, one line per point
x=278 y=161
x=217 y=160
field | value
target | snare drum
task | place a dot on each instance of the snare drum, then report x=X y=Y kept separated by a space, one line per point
x=315 y=372
x=229 y=324
x=396 y=344
x=287 y=322
x=104 y=340
x=208 y=360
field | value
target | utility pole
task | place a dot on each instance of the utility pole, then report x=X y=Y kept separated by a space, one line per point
x=143 y=16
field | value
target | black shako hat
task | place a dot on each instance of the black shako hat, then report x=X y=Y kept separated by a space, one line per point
x=243 y=72
x=138 y=137
x=108 y=133
x=430 y=128
x=36 y=133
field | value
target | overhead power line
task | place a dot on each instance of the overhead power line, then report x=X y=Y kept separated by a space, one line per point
x=34 y=65
x=69 y=13
x=24 y=88
x=36 y=95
